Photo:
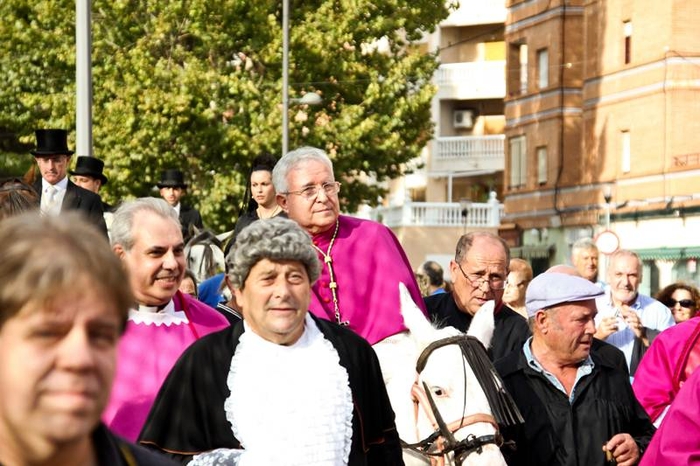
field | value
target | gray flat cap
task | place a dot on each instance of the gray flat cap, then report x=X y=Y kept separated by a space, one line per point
x=551 y=288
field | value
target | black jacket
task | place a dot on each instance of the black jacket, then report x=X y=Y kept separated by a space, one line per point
x=559 y=433
x=115 y=451
x=189 y=216
x=510 y=330
x=188 y=416
x=82 y=200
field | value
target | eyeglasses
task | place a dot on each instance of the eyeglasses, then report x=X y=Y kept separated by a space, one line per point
x=686 y=303
x=495 y=282
x=310 y=192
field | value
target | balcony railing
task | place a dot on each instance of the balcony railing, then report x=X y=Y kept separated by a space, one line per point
x=440 y=214
x=471 y=80
x=465 y=153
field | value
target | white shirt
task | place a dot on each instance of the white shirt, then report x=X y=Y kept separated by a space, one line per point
x=61 y=188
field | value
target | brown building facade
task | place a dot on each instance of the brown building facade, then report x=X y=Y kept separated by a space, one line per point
x=602 y=131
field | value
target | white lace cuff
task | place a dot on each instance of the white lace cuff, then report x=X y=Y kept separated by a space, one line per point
x=218 y=457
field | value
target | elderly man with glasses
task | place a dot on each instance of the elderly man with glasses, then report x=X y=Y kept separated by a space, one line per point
x=362 y=261
x=479 y=272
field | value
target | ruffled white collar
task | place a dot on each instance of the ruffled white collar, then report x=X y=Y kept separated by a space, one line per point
x=298 y=395
x=151 y=315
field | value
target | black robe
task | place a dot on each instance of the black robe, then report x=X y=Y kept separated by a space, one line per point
x=510 y=332
x=188 y=415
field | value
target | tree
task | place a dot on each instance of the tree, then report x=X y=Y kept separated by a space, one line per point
x=197 y=85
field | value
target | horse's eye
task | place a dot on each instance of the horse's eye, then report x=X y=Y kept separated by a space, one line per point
x=437 y=391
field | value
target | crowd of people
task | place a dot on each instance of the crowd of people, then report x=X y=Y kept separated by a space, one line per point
x=115 y=355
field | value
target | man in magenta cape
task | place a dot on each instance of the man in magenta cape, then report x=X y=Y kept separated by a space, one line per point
x=146 y=236
x=669 y=361
x=362 y=260
x=678 y=439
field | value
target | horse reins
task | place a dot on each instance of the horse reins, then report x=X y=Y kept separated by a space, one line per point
x=442 y=441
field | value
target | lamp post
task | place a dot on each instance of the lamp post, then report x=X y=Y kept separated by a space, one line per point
x=464 y=206
x=83 y=79
x=285 y=76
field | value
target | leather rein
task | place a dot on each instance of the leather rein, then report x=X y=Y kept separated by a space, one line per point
x=442 y=441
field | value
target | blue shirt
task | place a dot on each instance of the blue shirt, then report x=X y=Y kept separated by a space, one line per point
x=584 y=369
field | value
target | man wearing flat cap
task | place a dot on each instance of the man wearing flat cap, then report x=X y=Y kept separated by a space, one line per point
x=172 y=187
x=57 y=192
x=579 y=408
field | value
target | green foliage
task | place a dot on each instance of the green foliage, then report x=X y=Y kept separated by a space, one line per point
x=197 y=85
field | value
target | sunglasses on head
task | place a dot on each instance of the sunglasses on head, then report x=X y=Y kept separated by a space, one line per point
x=687 y=303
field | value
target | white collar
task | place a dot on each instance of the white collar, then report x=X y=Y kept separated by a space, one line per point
x=151 y=315
x=60 y=186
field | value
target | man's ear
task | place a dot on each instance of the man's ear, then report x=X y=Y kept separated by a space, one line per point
x=238 y=294
x=282 y=202
x=118 y=249
x=453 y=270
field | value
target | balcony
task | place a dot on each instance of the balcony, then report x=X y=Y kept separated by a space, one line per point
x=440 y=214
x=468 y=153
x=473 y=12
x=471 y=80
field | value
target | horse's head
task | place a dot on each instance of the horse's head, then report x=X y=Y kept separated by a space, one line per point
x=204 y=255
x=450 y=408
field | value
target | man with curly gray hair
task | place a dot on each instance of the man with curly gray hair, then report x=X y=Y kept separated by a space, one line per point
x=312 y=387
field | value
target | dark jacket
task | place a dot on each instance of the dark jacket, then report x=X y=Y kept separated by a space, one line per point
x=82 y=200
x=189 y=216
x=556 y=432
x=510 y=330
x=188 y=416
x=115 y=451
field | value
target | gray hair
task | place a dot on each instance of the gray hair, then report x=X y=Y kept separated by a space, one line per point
x=291 y=159
x=275 y=239
x=583 y=244
x=122 y=225
x=465 y=243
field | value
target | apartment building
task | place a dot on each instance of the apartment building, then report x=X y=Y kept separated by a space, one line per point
x=602 y=112
x=459 y=187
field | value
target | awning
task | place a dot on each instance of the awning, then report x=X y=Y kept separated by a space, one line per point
x=690 y=252
x=532 y=252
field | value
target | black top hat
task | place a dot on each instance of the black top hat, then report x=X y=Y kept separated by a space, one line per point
x=89 y=166
x=51 y=142
x=172 y=178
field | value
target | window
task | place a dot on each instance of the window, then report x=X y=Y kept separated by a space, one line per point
x=542 y=68
x=627 y=28
x=626 y=151
x=542 y=165
x=518 y=161
x=523 y=68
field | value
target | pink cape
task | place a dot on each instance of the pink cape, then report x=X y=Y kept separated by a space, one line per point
x=145 y=356
x=369 y=263
x=661 y=370
x=677 y=442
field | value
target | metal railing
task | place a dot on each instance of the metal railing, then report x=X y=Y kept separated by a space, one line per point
x=440 y=214
x=471 y=147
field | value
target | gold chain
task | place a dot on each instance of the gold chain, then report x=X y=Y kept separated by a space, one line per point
x=333 y=285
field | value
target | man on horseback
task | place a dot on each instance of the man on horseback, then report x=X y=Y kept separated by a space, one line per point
x=363 y=262
x=281 y=386
x=146 y=237
x=172 y=187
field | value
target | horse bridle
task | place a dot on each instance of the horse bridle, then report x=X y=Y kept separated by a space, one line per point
x=442 y=441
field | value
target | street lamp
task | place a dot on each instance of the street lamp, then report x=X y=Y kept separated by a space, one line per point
x=464 y=206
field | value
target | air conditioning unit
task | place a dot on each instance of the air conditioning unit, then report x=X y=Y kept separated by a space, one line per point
x=463 y=119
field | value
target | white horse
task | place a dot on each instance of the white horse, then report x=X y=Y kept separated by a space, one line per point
x=204 y=254
x=442 y=406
